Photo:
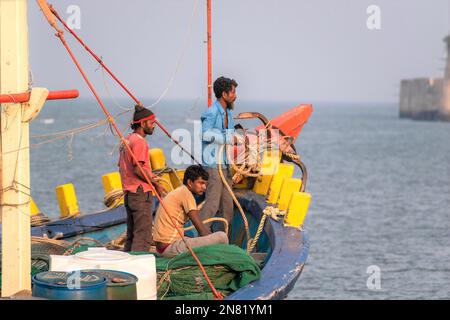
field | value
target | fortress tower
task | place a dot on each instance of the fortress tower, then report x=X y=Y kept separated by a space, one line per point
x=427 y=98
x=445 y=110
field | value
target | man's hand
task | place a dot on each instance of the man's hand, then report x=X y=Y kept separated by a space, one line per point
x=160 y=189
x=198 y=224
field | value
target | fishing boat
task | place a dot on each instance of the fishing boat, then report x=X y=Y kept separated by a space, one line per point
x=271 y=202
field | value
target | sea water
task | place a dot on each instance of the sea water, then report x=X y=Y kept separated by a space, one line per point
x=379 y=220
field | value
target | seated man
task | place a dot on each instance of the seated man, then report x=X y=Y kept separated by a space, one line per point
x=182 y=207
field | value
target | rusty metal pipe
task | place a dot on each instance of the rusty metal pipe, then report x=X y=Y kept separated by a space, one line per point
x=25 y=96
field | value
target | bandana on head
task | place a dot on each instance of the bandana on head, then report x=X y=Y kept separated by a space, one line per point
x=142 y=114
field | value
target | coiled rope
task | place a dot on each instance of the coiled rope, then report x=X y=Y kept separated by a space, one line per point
x=230 y=191
x=269 y=211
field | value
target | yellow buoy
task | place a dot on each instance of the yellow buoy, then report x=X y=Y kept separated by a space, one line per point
x=285 y=170
x=298 y=208
x=290 y=185
x=67 y=200
x=174 y=176
x=158 y=162
x=34 y=210
x=269 y=165
x=112 y=183
x=157 y=159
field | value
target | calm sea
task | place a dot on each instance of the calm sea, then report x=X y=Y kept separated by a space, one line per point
x=380 y=189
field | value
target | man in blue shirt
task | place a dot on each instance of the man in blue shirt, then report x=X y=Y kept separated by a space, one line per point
x=218 y=130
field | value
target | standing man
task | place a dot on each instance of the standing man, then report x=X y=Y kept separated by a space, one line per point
x=217 y=130
x=138 y=198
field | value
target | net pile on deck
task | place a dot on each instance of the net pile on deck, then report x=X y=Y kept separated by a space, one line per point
x=228 y=266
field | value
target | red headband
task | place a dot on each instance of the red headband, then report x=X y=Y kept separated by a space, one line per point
x=152 y=117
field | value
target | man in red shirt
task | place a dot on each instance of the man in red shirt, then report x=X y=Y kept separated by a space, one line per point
x=138 y=198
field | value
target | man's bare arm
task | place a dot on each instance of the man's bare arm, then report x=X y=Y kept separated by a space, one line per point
x=198 y=224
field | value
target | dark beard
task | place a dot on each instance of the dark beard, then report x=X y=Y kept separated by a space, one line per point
x=230 y=105
x=148 y=132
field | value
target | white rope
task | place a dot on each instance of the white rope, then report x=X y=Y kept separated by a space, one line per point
x=180 y=57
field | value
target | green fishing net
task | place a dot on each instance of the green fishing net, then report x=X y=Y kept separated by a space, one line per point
x=228 y=266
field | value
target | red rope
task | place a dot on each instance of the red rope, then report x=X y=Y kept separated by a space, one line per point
x=60 y=35
x=209 y=36
x=132 y=96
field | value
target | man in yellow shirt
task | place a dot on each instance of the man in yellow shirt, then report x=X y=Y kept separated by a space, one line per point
x=182 y=207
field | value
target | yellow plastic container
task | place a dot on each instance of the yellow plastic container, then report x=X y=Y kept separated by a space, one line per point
x=112 y=182
x=269 y=166
x=174 y=179
x=285 y=170
x=298 y=208
x=67 y=200
x=290 y=185
x=158 y=162
x=34 y=210
x=157 y=159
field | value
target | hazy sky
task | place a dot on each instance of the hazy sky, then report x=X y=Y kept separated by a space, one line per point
x=294 y=50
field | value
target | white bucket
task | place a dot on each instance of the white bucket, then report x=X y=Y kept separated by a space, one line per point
x=142 y=266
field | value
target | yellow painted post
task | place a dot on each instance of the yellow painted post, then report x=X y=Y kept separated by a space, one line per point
x=285 y=170
x=298 y=208
x=290 y=185
x=67 y=200
x=158 y=162
x=269 y=165
x=112 y=182
x=34 y=210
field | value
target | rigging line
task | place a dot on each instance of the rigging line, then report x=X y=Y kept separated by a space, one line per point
x=60 y=35
x=35 y=145
x=79 y=129
x=55 y=14
x=58 y=137
x=6 y=115
x=71 y=131
x=117 y=145
x=69 y=148
x=105 y=84
x=16 y=184
x=187 y=41
x=14 y=188
x=20 y=142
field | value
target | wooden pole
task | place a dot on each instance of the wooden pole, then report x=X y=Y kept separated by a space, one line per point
x=14 y=151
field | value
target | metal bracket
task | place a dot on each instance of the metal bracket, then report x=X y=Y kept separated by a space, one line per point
x=37 y=100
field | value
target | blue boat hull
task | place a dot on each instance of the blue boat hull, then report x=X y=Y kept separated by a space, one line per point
x=286 y=247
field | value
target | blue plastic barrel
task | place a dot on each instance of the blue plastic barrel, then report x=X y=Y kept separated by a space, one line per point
x=121 y=285
x=74 y=285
